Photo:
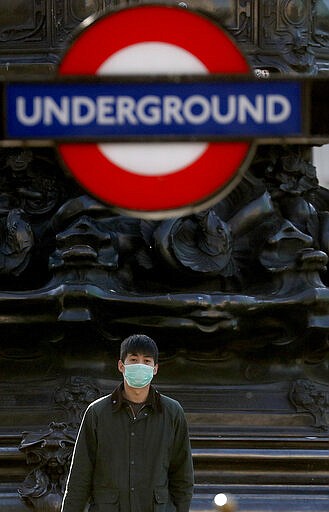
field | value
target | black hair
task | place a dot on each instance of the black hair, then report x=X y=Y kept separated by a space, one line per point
x=139 y=344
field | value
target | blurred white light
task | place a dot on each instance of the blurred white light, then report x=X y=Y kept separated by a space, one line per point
x=220 y=499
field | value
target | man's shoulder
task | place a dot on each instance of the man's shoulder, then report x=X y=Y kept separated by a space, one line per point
x=171 y=404
x=101 y=403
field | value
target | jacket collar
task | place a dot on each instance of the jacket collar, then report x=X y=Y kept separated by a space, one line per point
x=153 y=399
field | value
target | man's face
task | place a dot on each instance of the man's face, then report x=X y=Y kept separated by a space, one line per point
x=135 y=358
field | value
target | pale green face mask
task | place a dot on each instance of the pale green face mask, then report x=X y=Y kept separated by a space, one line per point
x=138 y=375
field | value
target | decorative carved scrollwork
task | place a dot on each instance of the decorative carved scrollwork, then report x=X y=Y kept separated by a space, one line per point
x=69 y=14
x=280 y=35
x=242 y=22
x=27 y=22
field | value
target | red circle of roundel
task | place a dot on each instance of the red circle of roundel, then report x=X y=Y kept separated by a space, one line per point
x=195 y=183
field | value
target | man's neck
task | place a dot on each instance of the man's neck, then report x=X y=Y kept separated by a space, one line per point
x=137 y=395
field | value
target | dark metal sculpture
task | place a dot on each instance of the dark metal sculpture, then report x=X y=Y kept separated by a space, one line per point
x=74 y=397
x=50 y=452
x=254 y=259
x=313 y=399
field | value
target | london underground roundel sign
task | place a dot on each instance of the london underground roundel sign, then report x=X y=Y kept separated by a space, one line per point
x=154 y=177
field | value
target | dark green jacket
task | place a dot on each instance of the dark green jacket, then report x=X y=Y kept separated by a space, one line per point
x=127 y=464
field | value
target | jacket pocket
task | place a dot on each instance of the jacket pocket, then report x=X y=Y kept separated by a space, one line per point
x=160 y=499
x=107 y=500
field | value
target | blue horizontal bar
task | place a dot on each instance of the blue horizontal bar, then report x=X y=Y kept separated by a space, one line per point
x=98 y=111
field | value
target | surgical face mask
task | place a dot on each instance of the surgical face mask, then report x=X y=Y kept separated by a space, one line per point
x=138 y=375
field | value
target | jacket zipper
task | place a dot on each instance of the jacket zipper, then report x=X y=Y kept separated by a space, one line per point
x=133 y=412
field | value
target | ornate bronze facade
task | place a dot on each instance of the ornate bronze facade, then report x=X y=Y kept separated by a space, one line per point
x=237 y=296
x=281 y=35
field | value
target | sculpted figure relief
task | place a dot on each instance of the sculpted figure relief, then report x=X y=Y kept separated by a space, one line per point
x=50 y=452
x=301 y=242
x=17 y=242
x=30 y=192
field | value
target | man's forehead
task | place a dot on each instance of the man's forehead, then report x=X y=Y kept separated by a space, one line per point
x=139 y=354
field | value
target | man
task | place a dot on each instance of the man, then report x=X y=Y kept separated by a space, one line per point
x=132 y=452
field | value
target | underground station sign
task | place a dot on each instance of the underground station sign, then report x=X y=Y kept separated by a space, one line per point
x=155 y=110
